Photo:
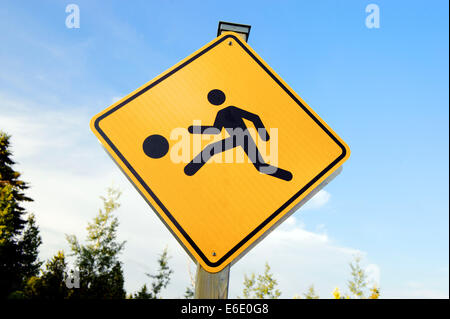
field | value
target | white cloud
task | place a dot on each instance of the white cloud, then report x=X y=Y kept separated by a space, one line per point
x=373 y=273
x=115 y=99
x=298 y=258
x=416 y=290
x=318 y=201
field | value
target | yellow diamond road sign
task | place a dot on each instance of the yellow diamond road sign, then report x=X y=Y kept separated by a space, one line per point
x=221 y=148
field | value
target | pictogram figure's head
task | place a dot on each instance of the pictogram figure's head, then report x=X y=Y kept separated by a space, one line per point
x=216 y=97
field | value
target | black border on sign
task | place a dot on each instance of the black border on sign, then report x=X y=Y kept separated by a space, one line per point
x=156 y=199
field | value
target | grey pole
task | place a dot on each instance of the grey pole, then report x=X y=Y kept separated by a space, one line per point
x=211 y=286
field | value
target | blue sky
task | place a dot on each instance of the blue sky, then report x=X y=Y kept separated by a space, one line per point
x=384 y=91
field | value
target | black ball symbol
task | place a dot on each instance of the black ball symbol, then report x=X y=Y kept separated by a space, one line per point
x=155 y=146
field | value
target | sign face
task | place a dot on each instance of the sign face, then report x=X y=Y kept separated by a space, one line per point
x=220 y=147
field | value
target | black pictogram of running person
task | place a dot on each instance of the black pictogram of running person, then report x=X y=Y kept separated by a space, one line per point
x=231 y=119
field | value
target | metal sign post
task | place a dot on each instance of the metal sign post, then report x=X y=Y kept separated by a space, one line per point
x=211 y=285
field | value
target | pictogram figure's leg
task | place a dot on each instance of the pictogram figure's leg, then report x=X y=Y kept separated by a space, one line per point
x=209 y=151
x=255 y=157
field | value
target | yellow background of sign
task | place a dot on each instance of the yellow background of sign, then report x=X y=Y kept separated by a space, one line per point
x=222 y=203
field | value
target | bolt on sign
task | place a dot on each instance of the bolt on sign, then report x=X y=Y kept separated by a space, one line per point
x=221 y=148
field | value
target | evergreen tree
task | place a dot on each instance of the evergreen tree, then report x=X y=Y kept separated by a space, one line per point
x=19 y=236
x=144 y=293
x=160 y=280
x=101 y=274
x=31 y=240
x=261 y=287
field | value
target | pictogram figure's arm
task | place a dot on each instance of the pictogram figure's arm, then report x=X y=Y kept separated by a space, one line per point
x=207 y=129
x=203 y=129
x=257 y=122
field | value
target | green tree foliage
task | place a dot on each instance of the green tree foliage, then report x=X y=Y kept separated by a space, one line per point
x=160 y=280
x=101 y=274
x=143 y=293
x=51 y=284
x=31 y=240
x=311 y=293
x=374 y=293
x=189 y=293
x=19 y=236
x=358 y=282
x=357 y=285
x=261 y=287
